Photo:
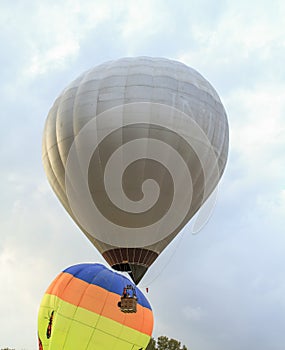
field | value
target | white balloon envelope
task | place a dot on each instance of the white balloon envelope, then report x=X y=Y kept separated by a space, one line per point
x=133 y=148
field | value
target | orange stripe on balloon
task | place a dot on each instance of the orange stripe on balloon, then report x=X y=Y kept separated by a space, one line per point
x=96 y=299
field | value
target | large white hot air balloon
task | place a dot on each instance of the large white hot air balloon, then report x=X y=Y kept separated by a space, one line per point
x=133 y=148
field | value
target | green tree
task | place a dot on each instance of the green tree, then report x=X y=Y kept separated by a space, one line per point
x=164 y=343
x=151 y=345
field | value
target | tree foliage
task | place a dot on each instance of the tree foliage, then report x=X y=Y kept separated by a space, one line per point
x=164 y=343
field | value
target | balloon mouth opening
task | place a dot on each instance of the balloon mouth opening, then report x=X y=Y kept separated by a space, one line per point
x=123 y=267
x=135 y=271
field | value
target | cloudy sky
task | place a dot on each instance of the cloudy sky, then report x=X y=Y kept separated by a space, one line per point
x=229 y=278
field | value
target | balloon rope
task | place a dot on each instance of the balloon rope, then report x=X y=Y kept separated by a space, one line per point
x=179 y=239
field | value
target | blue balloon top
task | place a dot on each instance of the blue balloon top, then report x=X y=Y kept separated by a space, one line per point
x=101 y=276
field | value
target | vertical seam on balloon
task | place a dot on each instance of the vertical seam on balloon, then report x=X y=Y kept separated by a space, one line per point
x=70 y=318
x=151 y=258
x=142 y=322
x=143 y=256
x=76 y=306
x=73 y=121
x=112 y=255
x=135 y=253
x=121 y=257
x=148 y=130
x=124 y=243
x=140 y=250
x=83 y=78
x=122 y=324
x=128 y=255
x=47 y=150
x=147 y=257
x=95 y=116
x=54 y=148
x=60 y=300
x=100 y=315
x=54 y=182
x=57 y=146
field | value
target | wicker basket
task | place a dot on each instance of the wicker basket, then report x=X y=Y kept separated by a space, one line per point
x=128 y=304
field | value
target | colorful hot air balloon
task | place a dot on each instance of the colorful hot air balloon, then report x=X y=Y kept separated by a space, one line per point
x=80 y=311
x=133 y=148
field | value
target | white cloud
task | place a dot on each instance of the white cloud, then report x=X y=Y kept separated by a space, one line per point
x=52 y=33
x=141 y=21
x=257 y=121
x=240 y=49
x=55 y=57
x=192 y=313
